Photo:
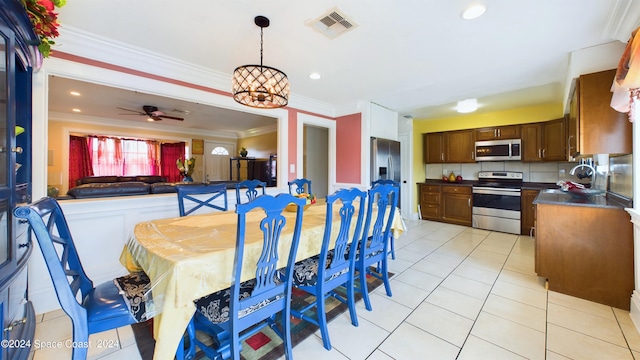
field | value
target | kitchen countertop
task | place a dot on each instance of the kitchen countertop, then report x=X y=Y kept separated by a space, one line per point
x=609 y=200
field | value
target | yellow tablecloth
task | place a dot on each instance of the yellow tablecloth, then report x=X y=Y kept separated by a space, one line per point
x=190 y=257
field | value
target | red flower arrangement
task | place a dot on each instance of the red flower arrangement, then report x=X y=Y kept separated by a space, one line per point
x=44 y=20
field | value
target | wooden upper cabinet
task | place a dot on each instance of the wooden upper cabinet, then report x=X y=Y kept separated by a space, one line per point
x=573 y=143
x=600 y=129
x=459 y=146
x=499 y=132
x=531 y=142
x=433 y=148
x=553 y=140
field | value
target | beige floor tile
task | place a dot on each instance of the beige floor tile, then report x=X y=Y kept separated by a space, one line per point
x=456 y=302
x=516 y=338
x=54 y=330
x=575 y=345
x=636 y=354
x=531 y=281
x=483 y=276
x=583 y=305
x=355 y=342
x=483 y=264
x=631 y=335
x=478 y=349
x=525 y=246
x=554 y=356
x=409 y=342
x=588 y=324
x=53 y=314
x=442 y=323
x=397 y=266
x=488 y=255
x=408 y=255
x=405 y=294
x=623 y=316
x=422 y=246
x=312 y=348
x=467 y=286
x=130 y=353
x=433 y=268
x=386 y=313
x=379 y=355
x=522 y=294
x=498 y=249
x=517 y=312
x=126 y=336
x=419 y=279
x=446 y=259
x=520 y=263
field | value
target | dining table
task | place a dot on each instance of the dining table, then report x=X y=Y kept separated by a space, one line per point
x=189 y=257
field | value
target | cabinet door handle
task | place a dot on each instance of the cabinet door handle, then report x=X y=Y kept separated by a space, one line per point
x=543 y=151
x=469 y=202
x=495 y=132
x=499 y=133
x=442 y=156
x=539 y=153
x=473 y=155
x=17 y=149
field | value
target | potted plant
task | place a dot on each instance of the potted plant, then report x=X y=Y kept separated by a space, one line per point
x=243 y=152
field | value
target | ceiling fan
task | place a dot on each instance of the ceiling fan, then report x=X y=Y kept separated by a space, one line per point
x=152 y=112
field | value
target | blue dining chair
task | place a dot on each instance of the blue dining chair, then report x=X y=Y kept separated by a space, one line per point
x=338 y=263
x=252 y=189
x=92 y=309
x=375 y=239
x=392 y=242
x=188 y=203
x=297 y=186
x=246 y=307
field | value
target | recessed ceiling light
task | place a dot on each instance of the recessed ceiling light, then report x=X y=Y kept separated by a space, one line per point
x=467 y=106
x=74 y=93
x=75 y=110
x=473 y=11
x=315 y=76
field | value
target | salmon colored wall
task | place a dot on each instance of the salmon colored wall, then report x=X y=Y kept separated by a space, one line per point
x=348 y=148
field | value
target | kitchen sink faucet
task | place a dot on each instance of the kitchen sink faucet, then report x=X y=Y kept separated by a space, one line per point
x=584 y=163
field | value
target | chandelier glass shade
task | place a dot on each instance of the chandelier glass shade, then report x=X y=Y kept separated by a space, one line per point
x=260 y=86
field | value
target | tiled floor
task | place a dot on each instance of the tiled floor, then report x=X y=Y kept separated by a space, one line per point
x=458 y=293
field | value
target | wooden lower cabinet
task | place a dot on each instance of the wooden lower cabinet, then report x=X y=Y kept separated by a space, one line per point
x=528 y=212
x=456 y=204
x=447 y=203
x=430 y=201
x=586 y=252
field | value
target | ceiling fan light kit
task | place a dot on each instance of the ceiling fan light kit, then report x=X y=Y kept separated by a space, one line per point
x=152 y=113
x=260 y=86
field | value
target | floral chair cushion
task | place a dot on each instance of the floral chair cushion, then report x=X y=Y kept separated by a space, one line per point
x=135 y=289
x=305 y=272
x=215 y=307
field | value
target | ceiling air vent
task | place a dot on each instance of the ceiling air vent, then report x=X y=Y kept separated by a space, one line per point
x=332 y=24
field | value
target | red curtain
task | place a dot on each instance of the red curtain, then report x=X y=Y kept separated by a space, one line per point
x=79 y=160
x=169 y=153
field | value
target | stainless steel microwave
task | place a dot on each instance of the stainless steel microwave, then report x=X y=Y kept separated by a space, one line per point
x=498 y=150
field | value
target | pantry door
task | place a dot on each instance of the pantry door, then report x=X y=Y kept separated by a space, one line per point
x=216 y=162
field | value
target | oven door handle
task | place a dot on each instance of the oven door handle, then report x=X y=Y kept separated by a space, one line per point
x=495 y=191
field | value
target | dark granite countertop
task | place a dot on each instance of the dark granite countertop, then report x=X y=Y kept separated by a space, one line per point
x=557 y=197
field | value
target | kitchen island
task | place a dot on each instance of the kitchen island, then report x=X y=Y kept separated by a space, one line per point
x=584 y=247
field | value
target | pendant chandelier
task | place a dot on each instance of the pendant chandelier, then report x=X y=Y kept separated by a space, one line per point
x=260 y=86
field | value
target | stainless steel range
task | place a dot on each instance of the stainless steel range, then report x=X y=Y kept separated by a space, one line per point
x=496 y=201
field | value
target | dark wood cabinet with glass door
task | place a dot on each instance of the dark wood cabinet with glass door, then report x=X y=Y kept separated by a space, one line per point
x=18 y=55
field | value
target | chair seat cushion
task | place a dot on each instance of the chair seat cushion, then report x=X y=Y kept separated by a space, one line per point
x=305 y=272
x=135 y=289
x=215 y=307
x=105 y=303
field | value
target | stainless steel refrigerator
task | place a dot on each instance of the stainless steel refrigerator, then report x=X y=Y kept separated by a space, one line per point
x=385 y=160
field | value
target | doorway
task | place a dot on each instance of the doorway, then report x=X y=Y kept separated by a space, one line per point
x=316 y=159
x=216 y=161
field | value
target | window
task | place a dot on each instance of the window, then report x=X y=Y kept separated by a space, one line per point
x=219 y=150
x=123 y=157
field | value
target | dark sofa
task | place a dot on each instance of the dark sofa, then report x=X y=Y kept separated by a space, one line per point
x=110 y=186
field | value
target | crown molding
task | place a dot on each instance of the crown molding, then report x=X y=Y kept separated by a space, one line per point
x=623 y=18
x=258 y=131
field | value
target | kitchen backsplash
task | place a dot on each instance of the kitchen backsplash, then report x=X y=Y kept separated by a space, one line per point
x=546 y=172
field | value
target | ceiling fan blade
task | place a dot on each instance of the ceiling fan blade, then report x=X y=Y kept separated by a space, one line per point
x=171 y=117
x=135 y=111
